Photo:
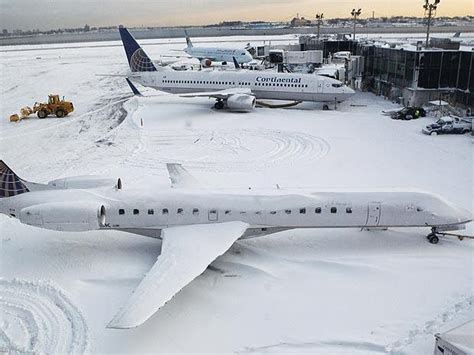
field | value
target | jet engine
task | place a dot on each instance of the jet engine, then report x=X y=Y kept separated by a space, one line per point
x=68 y=216
x=241 y=102
x=206 y=62
x=83 y=182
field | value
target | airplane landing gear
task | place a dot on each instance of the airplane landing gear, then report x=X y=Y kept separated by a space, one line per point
x=433 y=237
x=435 y=234
x=219 y=105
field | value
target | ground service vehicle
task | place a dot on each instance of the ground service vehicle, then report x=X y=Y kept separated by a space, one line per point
x=54 y=105
x=59 y=107
x=408 y=113
x=448 y=125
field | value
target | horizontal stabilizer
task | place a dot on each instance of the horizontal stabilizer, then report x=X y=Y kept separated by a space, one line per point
x=180 y=177
x=186 y=252
x=236 y=63
x=133 y=88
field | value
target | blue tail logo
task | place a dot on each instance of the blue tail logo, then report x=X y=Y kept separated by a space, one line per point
x=137 y=58
x=10 y=183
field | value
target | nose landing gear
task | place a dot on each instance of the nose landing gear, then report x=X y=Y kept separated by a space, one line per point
x=433 y=237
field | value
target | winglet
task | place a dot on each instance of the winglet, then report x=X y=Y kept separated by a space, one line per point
x=236 y=63
x=133 y=87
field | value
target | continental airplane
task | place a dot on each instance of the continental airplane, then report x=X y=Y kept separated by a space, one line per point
x=237 y=90
x=198 y=224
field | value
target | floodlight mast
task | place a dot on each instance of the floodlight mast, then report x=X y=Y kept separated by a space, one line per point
x=355 y=14
x=319 y=20
x=430 y=12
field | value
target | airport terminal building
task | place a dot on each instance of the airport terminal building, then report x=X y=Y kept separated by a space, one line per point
x=413 y=74
x=420 y=75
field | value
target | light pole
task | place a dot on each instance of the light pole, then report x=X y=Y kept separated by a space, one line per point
x=430 y=12
x=319 y=19
x=356 y=13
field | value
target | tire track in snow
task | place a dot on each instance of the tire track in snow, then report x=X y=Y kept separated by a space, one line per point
x=234 y=149
x=38 y=317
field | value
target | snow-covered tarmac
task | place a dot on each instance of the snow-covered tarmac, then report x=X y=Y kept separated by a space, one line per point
x=313 y=291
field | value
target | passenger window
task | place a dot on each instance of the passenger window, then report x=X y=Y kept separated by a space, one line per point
x=179 y=211
x=135 y=211
x=164 y=211
x=228 y=212
x=273 y=212
x=121 y=211
x=333 y=210
x=151 y=211
x=258 y=212
x=419 y=209
x=302 y=210
x=195 y=212
x=317 y=210
x=288 y=211
x=348 y=210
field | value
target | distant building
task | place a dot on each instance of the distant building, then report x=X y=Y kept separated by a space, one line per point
x=300 y=22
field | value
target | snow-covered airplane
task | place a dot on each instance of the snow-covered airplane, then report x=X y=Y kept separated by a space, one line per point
x=237 y=89
x=207 y=55
x=198 y=224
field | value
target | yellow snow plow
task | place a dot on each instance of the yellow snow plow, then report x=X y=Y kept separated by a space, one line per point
x=54 y=105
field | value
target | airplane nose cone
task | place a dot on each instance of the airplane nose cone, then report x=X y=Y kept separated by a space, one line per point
x=348 y=91
x=464 y=215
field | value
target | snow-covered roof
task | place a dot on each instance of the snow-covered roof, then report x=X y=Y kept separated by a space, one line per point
x=461 y=337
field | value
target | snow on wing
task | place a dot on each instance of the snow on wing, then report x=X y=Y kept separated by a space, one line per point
x=180 y=177
x=186 y=253
x=221 y=94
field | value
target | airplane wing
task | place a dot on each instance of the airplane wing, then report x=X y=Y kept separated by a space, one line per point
x=221 y=94
x=186 y=252
x=180 y=177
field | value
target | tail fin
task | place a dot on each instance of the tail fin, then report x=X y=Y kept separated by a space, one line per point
x=188 y=39
x=10 y=183
x=137 y=58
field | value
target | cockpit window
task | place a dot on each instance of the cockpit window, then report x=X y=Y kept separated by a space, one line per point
x=338 y=85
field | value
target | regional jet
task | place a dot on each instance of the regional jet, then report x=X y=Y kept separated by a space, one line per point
x=207 y=55
x=198 y=224
x=237 y=90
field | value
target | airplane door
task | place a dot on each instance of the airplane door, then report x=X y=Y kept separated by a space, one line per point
x=319 y=86
x=213 y=215
x=373 y=214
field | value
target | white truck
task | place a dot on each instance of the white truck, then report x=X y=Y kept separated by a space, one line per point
x=449 y=125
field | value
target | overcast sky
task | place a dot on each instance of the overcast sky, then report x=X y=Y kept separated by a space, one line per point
x=48 y=14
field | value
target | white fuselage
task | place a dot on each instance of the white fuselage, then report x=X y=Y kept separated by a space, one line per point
x=264 y=85
x=220 y=54
x=148 y=213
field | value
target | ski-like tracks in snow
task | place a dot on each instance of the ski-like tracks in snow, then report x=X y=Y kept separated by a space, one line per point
x=227 y=149
x=38 y=317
